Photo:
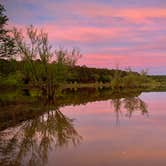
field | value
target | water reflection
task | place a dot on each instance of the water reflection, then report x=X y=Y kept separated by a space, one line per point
x=30 y=132
x=14 y=110
x=30 y=142
x=131 y=105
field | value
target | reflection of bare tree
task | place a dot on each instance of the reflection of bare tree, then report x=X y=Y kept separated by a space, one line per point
x=117 y=108
x=30 y=142
x=135 y=104
x=131 y=104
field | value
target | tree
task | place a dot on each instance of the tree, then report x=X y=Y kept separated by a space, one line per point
x=7 y=46
x=38 y=57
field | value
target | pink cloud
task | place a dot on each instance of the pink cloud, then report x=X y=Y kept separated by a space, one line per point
x=110 y=60
x=81 y=33
x=105 y=10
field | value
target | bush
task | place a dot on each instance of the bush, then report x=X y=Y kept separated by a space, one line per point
x=13 y=79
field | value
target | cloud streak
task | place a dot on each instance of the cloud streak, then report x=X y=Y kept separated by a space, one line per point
x=128 y=33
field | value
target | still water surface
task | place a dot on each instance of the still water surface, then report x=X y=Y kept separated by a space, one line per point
x=120 y=131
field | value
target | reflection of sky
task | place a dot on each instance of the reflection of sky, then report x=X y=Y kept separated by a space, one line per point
x=129 y=33
x=138 y=140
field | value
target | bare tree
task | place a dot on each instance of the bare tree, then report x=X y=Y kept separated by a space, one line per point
x=36 y=46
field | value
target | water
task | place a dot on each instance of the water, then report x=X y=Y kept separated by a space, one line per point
x=126 y=130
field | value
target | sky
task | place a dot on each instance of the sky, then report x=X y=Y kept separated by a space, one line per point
x=109 y=33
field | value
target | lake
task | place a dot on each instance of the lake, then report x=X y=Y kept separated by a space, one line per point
x=88 y=129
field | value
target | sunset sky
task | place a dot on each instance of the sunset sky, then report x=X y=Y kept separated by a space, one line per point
x=127 y=33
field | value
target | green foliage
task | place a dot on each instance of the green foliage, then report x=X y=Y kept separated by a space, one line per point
x=131 y=80
x=117 y=80
x=66 y=57
x=160 y=80
x=3 y=17
x=60 y=75
x=7 y=67
x=13 y=79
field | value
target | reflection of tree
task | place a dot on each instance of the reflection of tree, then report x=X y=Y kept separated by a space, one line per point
x=117 y=108
x=134 y=104
x=131 y=104
x=30 y=142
